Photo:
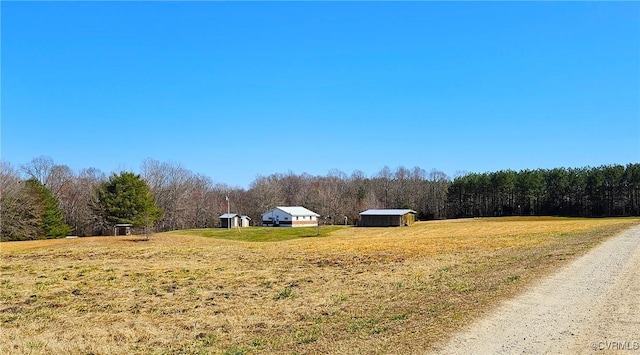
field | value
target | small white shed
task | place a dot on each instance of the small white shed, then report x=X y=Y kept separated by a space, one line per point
x=234 y=220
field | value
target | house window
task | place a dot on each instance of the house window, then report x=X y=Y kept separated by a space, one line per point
x=297 y=218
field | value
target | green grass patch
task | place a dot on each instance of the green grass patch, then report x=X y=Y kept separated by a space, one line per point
x=285 y=293
x=207 y=339
x=400 y=316
x=261 y=234
x=306 y=335
x=366 y=325
x=237 y=350
x=513 y=278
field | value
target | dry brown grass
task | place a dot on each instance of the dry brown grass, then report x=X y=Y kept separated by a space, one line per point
x=360 y=290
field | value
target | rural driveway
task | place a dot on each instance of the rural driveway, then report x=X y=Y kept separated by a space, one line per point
x=592 y=305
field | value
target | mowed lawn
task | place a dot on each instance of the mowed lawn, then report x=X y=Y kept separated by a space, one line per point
x=349 y=290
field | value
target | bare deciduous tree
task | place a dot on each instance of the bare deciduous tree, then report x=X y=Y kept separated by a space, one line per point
x=169 y=183
x=19 y=216
x=39 y=168
x=266 y=192
x=84 y=219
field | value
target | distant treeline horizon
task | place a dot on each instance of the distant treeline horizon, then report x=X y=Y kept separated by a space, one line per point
x=190 y=200
x=604 y=191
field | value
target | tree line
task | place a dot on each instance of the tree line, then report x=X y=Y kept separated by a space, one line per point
x=189 y=200
x=605 y=191
x=81 y=203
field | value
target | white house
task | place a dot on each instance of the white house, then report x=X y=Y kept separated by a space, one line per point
x=234 y=220
x=295 y=216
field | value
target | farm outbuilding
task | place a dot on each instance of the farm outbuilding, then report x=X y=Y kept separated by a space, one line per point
x=234 y=220
x=294 y=216
x=122 y=229
x=387 y=218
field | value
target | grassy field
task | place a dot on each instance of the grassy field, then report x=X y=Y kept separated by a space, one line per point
x=261 y=234
x=349 y=290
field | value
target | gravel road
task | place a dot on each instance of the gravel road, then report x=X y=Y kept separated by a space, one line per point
x=590 y=306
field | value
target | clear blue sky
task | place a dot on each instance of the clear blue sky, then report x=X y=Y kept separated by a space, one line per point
x=235 y=90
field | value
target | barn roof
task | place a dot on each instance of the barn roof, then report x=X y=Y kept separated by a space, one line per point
x=297 y=211
x=386 y=212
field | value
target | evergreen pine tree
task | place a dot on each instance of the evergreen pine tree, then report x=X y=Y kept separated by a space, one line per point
x=126 y=198
x=52 y=223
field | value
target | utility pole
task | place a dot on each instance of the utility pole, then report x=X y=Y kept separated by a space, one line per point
x=228 y=214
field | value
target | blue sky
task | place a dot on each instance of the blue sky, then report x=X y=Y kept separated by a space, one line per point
x=232 y=90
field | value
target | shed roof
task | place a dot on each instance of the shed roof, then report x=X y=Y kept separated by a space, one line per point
x=231 y=215
x=386 y=212
x=297 y=211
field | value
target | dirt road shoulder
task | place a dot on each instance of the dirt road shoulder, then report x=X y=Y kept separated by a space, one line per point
x=591 y=305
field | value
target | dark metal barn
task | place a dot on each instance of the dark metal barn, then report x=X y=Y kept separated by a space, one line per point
x=387 y=218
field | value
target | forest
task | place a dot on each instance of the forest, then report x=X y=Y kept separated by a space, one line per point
x=42 y=199
x=605 y=191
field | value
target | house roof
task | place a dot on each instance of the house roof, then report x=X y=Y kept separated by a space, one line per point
x=386 y=212
x=296 y=211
